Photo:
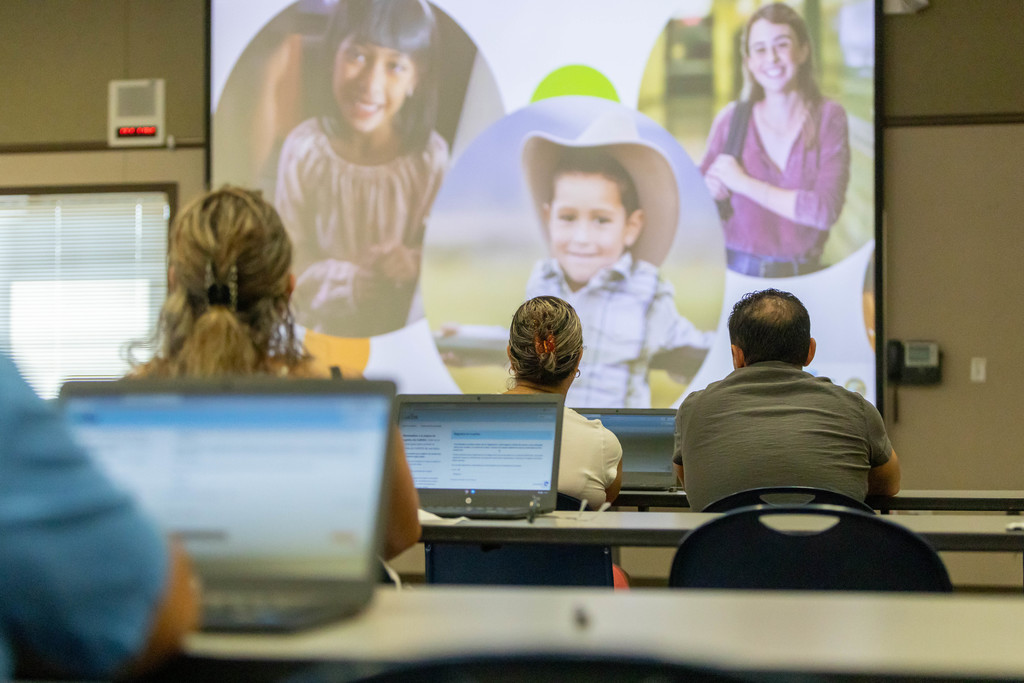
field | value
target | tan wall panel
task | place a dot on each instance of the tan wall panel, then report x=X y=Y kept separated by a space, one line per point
x=955 y=275
x=955 y=57
x=59 y=55
x=56 y=57
x=183 y=166
x=168 y=40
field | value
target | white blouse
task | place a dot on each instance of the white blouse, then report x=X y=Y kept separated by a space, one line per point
x=589 y=459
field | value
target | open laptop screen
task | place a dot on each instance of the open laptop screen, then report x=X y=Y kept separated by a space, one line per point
x=647 y=436
x=269 y=479
x=498 y=443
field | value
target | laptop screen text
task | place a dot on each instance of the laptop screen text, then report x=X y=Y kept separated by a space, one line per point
x=479 y=447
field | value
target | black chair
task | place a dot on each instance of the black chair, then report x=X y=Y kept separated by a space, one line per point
x=786 y=495
x=811 y=547
x=521 y=564
x=540 y=668
x=568 y=503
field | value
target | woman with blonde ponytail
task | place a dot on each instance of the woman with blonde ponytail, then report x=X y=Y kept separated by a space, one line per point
x=228 y=312
x=544 y=348
x=229 y=282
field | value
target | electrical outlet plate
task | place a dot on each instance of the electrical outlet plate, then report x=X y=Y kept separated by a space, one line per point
x=978 y=369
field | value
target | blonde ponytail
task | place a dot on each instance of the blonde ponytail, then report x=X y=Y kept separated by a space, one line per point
x=219 y=345
x=227 y=309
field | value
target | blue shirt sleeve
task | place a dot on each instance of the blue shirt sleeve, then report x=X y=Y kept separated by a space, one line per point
x=82 y=568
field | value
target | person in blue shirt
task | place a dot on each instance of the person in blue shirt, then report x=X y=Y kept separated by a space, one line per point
x=89 y=586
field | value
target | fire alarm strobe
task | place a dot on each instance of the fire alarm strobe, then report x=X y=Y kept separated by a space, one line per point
x=135 y=113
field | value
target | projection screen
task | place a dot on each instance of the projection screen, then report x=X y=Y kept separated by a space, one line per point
x=437 y=163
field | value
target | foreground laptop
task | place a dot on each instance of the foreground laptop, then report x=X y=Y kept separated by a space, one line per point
x=647 y=437
x=275 y=487
x=483 y=456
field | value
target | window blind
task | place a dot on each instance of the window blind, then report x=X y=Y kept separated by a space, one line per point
x=82 y=276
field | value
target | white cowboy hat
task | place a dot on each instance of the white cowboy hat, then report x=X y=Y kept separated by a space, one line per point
x=615 y=134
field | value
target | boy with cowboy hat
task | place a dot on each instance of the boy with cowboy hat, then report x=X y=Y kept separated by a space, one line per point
x=609 y=206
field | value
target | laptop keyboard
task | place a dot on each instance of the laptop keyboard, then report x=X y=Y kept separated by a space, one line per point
x=648 y=486
x=482 y=513
x=263 y=611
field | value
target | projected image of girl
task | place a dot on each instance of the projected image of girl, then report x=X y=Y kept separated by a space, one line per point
x=356 y=181
x=781 y=182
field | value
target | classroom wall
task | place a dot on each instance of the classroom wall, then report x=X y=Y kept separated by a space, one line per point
x=955 y=275
x=953 y=204
x=58 y=55
x=951 y=192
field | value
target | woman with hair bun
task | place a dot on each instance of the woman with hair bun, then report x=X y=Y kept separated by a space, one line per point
x=227 y=312
x=545 y=347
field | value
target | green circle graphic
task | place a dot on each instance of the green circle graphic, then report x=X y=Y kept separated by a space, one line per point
x=575 y=79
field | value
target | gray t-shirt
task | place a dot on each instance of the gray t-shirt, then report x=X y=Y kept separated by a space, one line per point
x=772 y=424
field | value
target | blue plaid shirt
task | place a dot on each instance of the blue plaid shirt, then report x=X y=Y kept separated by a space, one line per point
x=628 y=314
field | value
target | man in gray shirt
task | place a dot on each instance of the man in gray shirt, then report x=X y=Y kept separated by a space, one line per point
x=769 y=423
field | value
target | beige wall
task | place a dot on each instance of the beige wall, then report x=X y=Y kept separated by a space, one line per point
x=56 y=57
x=955 y=211
x=181 y=166
x=954 y=206
x=955 y=57
x=953 y=194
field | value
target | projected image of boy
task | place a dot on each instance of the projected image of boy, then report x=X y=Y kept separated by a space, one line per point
x=356 y=182
x=609 y=206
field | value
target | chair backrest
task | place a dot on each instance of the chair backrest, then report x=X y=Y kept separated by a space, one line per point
x=787 y=496
x=811 y=547
x=547 y=667
x=568 y=503
x=519 y=564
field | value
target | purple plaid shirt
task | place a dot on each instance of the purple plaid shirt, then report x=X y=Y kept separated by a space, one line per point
x=820 y=175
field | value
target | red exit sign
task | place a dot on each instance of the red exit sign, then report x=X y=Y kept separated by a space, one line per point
x=136 y=132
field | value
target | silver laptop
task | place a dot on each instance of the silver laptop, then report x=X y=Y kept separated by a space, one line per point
x=275 y=486
x=483 y=456
x=647 y=437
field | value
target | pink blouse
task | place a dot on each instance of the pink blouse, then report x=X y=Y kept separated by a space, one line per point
x=336 y=211
x=820 y=174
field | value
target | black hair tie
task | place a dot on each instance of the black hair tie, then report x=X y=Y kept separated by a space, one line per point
x=218 y=295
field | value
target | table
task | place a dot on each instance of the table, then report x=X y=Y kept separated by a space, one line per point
x=870 y=635
x=667 y=529
x=1011 y=502
x=948 y=500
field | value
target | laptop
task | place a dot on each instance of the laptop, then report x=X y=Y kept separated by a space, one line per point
x=274 y=486
x=483 y=456
x=647 y=437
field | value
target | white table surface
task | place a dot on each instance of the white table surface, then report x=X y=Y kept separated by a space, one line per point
x=944 y=635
